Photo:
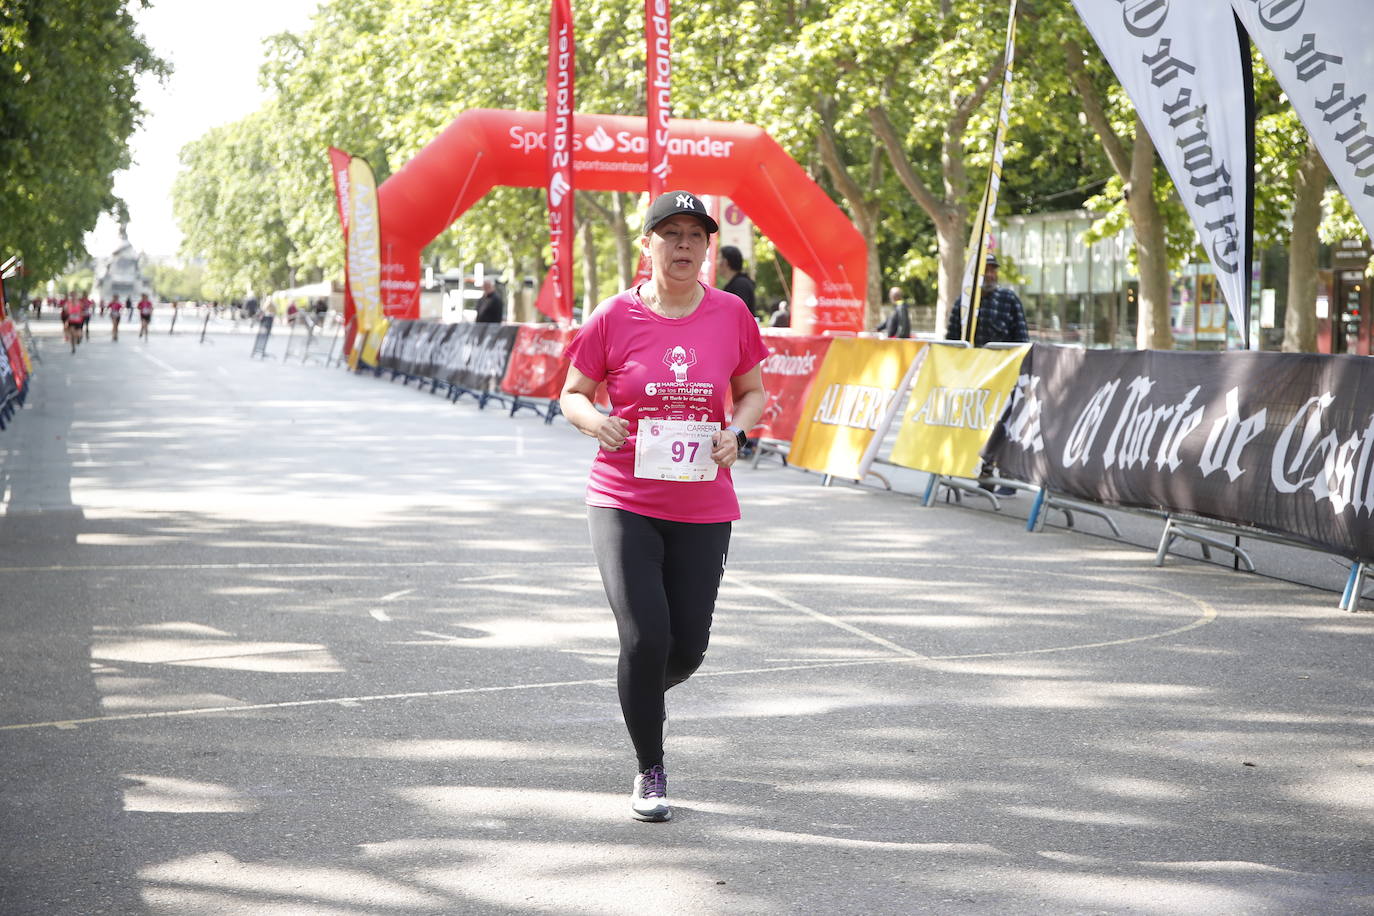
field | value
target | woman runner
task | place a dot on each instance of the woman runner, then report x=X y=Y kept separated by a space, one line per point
x=672 y=353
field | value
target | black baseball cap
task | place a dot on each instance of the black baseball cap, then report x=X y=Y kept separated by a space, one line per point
x=990 y=260
x=675 y=202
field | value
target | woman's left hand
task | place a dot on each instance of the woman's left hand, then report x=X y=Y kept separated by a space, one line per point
x=724 y=447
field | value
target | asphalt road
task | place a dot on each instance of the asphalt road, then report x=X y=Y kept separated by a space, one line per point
x=280 y=639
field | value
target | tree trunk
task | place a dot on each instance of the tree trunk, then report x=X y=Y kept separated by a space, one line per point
x=626 y=257
x=1151 y=252
x=951 y=236
x=1300 y=321
x=590 y=287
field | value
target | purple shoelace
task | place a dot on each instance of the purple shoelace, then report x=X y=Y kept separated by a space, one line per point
x=655 y=783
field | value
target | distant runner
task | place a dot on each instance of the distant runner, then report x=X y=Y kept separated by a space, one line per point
x=71 y=321
x=145 y=315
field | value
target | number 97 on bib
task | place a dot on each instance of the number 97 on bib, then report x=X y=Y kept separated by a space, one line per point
x=675 y=450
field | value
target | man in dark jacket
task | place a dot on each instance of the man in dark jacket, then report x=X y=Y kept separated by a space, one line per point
x=731 y=268
x=1000 y=314
x=491 y=308
x=898 y=324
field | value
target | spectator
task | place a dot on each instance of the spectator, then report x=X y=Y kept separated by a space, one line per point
x=782 y=317
x=730 y=265
x=898 y=323
x=1000 y=314
x=491 y=308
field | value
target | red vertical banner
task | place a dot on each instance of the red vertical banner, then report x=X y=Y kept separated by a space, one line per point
x=338 y=167
x=659 y=61
x=558 y=123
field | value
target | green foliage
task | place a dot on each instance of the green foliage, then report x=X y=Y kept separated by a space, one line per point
x=234 y=202
x=177 y=282
x=382 y=78
x=68 y=71
x=77 y=281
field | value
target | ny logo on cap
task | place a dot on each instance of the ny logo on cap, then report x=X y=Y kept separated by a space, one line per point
x=685 y=200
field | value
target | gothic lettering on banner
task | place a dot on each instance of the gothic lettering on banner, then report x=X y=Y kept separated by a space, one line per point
x=1279 y=441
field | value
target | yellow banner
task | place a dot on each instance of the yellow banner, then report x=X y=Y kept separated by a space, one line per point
x=364 y=244
x=856 y=383
x=373 y=345
x=956 y=400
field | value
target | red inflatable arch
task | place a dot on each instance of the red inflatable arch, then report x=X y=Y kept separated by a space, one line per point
x=484 y=148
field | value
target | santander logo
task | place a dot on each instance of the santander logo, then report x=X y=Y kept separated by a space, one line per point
x=600 y=141
x=558 y=188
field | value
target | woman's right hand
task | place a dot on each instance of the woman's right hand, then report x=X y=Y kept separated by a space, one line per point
x=612 y=433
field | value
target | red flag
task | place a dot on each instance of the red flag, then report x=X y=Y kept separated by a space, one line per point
x=338 y=166
x=659 y=60
x=558 y=122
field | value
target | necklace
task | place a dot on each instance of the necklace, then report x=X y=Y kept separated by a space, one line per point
x=658 y=306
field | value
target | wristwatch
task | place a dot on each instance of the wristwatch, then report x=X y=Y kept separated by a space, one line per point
x=741 y=440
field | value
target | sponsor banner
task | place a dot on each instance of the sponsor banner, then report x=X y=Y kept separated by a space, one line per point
x=832 y=306
x=972 y=286
x=853 y=389
x=788 y=373
x=658 y=78
x=389 y=353
x=1279 y=441
x=958 y=397
x=13 y=348
x=372 y=344
x=1320 y=52
x=364 y=245
x=429 y=348
x=9 y=387
x=1187 y=72
x=537 y=366
x=558 y=126
x=475 y=356
x=338 y=167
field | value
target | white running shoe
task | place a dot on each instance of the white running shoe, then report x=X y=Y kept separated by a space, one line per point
x=649 y=800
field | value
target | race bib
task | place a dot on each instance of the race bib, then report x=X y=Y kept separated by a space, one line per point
x=675 y=450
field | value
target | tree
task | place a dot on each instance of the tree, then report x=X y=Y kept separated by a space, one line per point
x=1144 y=189
x=177 y=283
x=67 y=109
x=888 y=98
x=889 y=104
x=232 y=204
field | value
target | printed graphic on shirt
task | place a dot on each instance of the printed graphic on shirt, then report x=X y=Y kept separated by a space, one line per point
x=681 y=398
x=680 y=361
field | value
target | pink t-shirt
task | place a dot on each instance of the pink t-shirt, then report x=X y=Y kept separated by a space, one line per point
x=665 y=369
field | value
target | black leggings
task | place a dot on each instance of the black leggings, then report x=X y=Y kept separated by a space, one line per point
x=661 y=579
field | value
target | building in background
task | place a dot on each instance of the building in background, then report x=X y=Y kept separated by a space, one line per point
x=1087 y=295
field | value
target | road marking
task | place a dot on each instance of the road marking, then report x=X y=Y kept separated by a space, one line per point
x=380 y=614
x=1208 y=615
x=394 y=595
x=401 y=564
x=823 y=618
x=905 y=656
x=162 y=365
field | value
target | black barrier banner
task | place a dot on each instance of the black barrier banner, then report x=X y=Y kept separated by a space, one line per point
x=476 y=357
x=1279 y=441
x=264 y=332
x=429 y=348
x=392 y=354
x=472 y=356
